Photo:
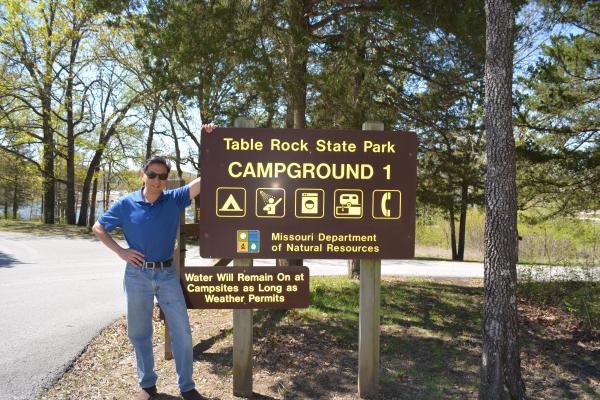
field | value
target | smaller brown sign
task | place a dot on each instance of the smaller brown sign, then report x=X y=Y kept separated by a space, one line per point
x=245 y=287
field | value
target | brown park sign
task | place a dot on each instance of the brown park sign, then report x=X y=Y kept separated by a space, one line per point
x=291 y=193
x=245 y=287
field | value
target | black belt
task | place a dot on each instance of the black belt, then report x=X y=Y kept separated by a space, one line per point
x=157 y=264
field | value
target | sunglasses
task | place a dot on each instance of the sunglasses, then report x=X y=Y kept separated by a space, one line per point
x=152 y=175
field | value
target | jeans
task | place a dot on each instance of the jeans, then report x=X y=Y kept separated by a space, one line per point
x=141 y=286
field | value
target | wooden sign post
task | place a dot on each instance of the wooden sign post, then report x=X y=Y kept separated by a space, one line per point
x=368 y=325
x=242 y=324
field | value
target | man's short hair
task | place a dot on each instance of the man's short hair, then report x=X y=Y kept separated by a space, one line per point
x=157 y=160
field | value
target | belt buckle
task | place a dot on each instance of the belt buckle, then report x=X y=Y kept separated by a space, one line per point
x=147 y=264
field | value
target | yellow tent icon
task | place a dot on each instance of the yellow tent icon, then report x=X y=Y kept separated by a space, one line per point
x=231 y=202
x=230 y=205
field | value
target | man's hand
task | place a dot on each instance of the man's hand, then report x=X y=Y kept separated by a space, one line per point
x=209 y=127
x=132 y=256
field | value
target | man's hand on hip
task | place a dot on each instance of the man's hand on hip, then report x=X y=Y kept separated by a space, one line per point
x=132 y=256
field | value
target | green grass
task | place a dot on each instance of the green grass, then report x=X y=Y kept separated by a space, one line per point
x=431 y=331
x=38 y=228
x=428 y=330
x=430 y=348
x=560 y=241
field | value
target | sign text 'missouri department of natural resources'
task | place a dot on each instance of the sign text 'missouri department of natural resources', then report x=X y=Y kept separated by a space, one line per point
x=289 y=193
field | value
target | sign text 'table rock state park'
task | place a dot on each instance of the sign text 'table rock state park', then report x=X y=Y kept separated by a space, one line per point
x=290 y=193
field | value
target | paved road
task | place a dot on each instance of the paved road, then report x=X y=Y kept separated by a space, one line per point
x=58 y=293
x=410 y=268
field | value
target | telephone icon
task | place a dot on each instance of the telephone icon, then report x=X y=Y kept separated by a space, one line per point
x=385 y=199
x=387 y=204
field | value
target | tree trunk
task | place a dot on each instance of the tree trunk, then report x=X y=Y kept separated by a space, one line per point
x=354 y=268
x=500 y=374
x=462 y=222
x=289 y=112
x=452 y=233
x=95 y=163
x=48 y=148
x=153 y=116
x=299 y=33
x=87 y=183
x=92 y=216
x=107 y=188
x=15 y=199
x=71 y=212
x=85 y=190
x=176 y=142
x=104 y=191
x=297 y=69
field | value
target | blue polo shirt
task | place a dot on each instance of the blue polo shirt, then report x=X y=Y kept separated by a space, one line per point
x=148 y=228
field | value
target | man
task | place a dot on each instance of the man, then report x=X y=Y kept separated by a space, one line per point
x=149 y=219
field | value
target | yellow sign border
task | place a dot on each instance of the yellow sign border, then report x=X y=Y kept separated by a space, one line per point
x=362 y=204
x=256 y=203
x=373 y=204
x=217 y=202
x=296 y=203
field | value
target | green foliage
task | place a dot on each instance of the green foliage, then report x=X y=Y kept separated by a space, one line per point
x=415 y=65
x=559 y=241
x=352 y=78
x=581 y=231
x=195 y=49
x=19 y=184
x=560 y=114
x=432 y=228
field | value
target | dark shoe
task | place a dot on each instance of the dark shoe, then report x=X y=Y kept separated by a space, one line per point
x=191 y=395
x=146 y=393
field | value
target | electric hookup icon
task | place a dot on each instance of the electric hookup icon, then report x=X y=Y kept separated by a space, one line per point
x=231 y=202
x=270 y=202
x=348 y=203
x=248 y=241
x=309 y=203
x=387 y=204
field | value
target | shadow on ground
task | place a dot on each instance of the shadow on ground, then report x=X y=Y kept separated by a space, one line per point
x=164 y=396
x=8 y=261
x=430 y=348
x=313 y=353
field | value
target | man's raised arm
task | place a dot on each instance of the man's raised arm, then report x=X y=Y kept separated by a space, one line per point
x=195 y=184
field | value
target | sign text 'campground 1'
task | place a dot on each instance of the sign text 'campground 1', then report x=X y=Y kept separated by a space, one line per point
x=290 y=193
